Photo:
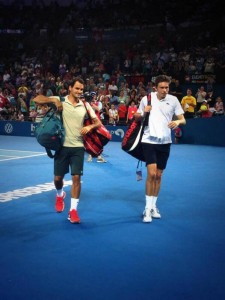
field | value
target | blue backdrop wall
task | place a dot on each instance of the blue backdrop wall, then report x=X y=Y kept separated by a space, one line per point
x=27 y=129
x=200 y=131
x=204 y=131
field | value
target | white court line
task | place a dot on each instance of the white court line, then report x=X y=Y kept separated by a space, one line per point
x=18 y=150
x=8 y=155
x=12 y=157
x=30 y=191
x=20 y=157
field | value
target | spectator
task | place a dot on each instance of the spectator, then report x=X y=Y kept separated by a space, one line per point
x=113 y=87
x=20 y=116
x=122 y=98
x=122 y=111
x=13 y=116
x=95 y=104
x=22 y=90
x=150 y=87
x=132 y=97
x=200 y=96
x=4 y=104
x=114 y=99
x=12 y=100
x=132 y=109
x=101 y=83
x=101 y=92
x=204 y=111
x=218 y=107
x=6 y=76
x=176 y=89
x=188 y=104
x=113 y=115
x=105 y=110
x=209 y=66
x=40 y=65
x=41 y=111
x=140 y=88
x=32 y=115
x=210 y=98
x=22 y=105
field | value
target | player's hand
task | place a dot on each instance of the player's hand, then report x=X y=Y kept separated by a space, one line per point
x=58 y=104
x=147 y=108
x=85 y=129
x=174 y=124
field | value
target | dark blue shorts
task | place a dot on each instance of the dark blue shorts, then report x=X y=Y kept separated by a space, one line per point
x=156 y=154
x=69 y=158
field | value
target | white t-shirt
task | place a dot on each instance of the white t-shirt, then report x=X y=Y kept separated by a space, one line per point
x=162 y=112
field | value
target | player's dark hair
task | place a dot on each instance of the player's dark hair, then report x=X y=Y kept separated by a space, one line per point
x=162 y=78
x=79 y=79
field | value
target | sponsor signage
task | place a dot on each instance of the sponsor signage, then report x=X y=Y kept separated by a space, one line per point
x=27 y=129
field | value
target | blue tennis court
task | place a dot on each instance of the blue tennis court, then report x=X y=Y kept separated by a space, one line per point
x=111 y=254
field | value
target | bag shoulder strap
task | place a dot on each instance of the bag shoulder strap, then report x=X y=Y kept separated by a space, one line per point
x=88 y=112
x=85 y=105
x=52 y=110
x=149 y=98
x=49 y=153
x=146 y=115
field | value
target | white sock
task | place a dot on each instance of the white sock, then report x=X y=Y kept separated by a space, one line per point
x=59 y=192
x=74 y=203
x=148 y=202
x=154 y=199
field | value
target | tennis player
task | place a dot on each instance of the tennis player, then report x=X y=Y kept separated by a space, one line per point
x=156 y=140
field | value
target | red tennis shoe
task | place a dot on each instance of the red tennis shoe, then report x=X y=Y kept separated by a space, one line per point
x=73 y=216
x=59 y=204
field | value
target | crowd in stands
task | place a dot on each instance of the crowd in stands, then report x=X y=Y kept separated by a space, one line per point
x=39 y=53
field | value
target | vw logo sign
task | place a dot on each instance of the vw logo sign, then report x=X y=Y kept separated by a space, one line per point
x=8 y=128
x=119 y=132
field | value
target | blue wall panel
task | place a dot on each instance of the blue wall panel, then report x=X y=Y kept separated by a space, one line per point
x=200 y=131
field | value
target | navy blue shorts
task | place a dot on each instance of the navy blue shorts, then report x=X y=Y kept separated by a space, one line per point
x=156 y=154
x=69 y=158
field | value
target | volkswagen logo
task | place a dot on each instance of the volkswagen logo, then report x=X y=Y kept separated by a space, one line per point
x=119 y=132
x=8 y=128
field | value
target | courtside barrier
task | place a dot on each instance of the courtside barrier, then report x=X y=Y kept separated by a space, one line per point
x=199 y=131
x=16 y=128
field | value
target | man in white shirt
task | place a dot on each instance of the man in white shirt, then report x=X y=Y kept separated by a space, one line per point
x=113 y=87
x=156 y=140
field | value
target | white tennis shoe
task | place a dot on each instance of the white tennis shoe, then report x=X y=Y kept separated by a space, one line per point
x=147 y=216
x=155 y=213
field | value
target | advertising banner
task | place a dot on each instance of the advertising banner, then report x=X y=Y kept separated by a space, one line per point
x=27 y=129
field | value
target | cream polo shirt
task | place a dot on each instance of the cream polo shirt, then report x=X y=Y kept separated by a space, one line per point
x=73 y=119
x=157 y=131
